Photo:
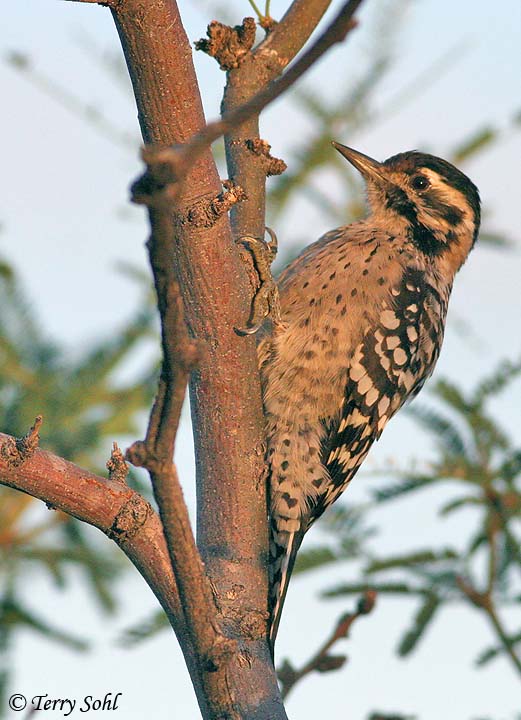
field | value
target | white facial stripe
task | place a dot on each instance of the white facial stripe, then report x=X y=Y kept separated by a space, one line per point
x=448 y=193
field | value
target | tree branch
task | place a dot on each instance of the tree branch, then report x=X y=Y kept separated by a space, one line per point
x=180 y=355
x=108 y=504
x=322 y=661
x=292 y=32
x=260 y=67
x=174 y=162
x=485 y=602
x=503 y=637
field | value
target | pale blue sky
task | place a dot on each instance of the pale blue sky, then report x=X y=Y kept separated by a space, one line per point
x=64 y=187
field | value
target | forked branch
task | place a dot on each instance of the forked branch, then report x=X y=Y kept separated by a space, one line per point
x=173 y=163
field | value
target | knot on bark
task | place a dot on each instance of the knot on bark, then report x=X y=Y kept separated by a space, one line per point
x=222 y=651
x=15 y=451
x=261 y=148
x=130 y=519
x=205 y=213
x=228 y=45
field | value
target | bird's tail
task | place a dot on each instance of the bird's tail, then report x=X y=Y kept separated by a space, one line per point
x=284 y=546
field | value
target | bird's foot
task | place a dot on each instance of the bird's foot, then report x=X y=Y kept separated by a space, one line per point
x=265 y=301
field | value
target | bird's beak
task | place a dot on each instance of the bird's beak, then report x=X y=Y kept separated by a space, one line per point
x=369 y=168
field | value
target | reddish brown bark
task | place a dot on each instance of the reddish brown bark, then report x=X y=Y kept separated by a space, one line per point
x=225 y=389
x=218 y=610
x=112 y=506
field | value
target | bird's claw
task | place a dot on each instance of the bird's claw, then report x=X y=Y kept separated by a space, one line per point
x=266 y=301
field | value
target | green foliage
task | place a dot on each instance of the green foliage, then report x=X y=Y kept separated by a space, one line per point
x=316 y=557
x=494 y=652
x=85 y=406
x=383 y=588
x=419 y=557
x=474 y=144
x=476 y=453
x=408 y=483
x=13 y=615
x=82 y=402
x=422 y=618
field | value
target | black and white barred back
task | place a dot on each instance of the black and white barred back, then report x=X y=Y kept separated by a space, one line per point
x=363 y=313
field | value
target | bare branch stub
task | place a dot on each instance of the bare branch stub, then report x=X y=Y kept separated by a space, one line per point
x=229 y=46
x=261 y=148
x=15 y=451
x=323 y=660
x=130 y=518
x=206 y=212
x=161 y=185
x=116 y=465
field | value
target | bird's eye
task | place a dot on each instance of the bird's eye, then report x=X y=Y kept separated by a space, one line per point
x=419 y=182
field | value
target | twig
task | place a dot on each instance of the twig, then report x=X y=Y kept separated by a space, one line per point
x=322 y=661
x=484 y=601
x=503 y=637
x=291 y=33
x=178 y=160
x=492 y=532
x=493 y=527
x=180 y=352
x=335 y=33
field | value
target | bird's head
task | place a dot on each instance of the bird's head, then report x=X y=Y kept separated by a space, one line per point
x=424 y=196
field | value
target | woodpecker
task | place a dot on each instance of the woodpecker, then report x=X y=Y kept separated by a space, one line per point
x=361 y=326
